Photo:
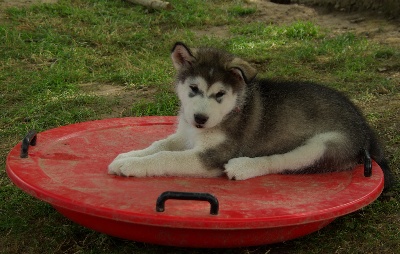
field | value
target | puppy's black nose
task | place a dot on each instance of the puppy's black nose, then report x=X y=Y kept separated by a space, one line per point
x=200 y=118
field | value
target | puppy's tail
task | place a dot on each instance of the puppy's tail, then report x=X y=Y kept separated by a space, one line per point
x=377 y=155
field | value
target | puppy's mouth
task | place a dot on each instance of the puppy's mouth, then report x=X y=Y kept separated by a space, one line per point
x=199 y=126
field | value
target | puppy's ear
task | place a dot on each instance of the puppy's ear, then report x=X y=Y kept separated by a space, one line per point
x=181 y=56
x=242 y=70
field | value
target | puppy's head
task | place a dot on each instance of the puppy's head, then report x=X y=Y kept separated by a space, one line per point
x=209 y=83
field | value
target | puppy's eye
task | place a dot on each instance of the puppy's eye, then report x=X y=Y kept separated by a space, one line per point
x=194 y=88
x=220 y=94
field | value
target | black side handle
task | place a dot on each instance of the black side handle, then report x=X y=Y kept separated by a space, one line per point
x=30 y=139
x=367 y=164
x=160 y=204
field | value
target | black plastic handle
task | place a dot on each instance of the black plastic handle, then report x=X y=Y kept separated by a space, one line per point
x=30 y=139
x=367 y=164
x=160 y=204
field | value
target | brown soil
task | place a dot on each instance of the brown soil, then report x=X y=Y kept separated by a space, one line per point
x=371 y=25
x=125 y=97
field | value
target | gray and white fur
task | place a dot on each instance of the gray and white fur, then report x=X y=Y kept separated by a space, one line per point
x=231 y=123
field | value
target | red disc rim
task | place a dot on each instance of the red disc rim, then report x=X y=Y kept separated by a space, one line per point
x=68 y=168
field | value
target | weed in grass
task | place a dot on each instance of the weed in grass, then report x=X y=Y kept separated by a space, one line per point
x=301 y=31
x=239 y=10
x=384 y=53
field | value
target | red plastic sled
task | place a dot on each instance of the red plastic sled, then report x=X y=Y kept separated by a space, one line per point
x=67 y=167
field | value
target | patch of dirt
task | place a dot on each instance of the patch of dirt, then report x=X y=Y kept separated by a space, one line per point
x=368 y=24
x=102 y=89
x=272 y=13
x=124 y=97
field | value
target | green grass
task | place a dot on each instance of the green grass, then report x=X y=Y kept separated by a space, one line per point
x=47 y=51
x=165 y=103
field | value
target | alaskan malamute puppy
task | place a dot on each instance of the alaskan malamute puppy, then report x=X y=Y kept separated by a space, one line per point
x=230 y=123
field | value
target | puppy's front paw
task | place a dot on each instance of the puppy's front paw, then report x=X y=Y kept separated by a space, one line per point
x=235 y=169
x=130 y=154
x=241 y=168
x=127 y=167
x=121 y=156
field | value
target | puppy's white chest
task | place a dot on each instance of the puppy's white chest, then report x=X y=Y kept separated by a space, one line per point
x=201 y=138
